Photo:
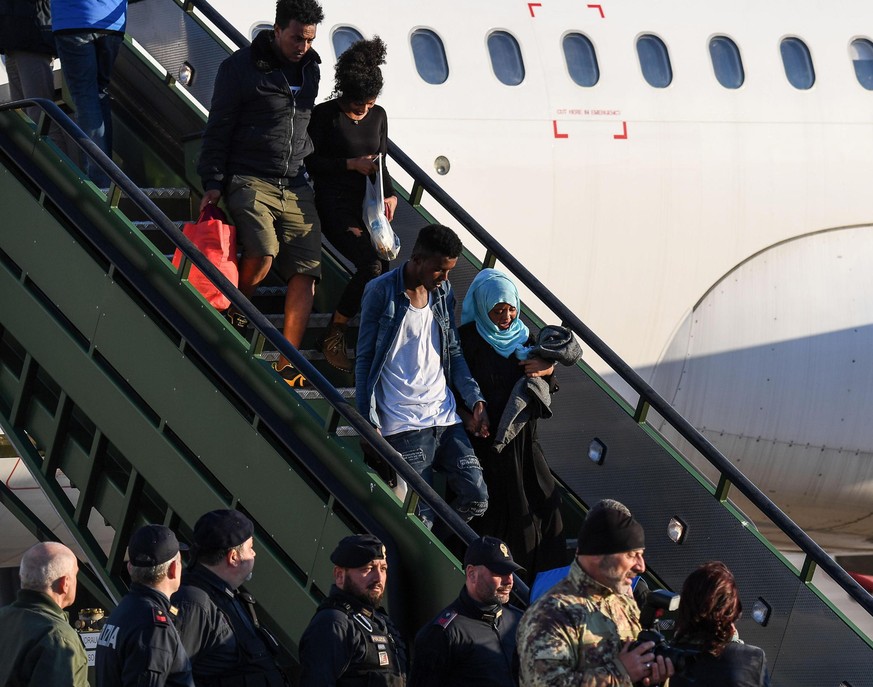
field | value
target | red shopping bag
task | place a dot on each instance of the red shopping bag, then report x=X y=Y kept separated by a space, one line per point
x=216 y=239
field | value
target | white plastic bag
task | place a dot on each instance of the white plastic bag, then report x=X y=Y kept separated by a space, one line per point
x=384 y=240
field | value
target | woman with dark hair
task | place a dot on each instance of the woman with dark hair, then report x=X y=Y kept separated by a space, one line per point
x=349 y=132
x=709 y=607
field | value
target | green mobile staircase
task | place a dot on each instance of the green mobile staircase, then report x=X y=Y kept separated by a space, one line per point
x=115 y=373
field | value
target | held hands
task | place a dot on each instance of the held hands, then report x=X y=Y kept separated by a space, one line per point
x=643 y=666
x=363 y=165
x=537 y=367
x=479 y=421
x=209 y=198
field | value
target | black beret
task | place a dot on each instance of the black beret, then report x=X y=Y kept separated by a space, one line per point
x=152 y=545
x=493 y=554
x=357 y=550
x=607 y=530
x=222 y=530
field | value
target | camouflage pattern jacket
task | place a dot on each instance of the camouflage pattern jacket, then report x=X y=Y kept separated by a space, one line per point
x=572 y=635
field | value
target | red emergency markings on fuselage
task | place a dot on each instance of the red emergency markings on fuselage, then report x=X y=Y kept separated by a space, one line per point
x=555 y=129
x=623 y=134
x=599 y=8
x=531 y=6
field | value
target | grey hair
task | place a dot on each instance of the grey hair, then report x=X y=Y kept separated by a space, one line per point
x=43 y=564
x=150 y=576
x=611 y=504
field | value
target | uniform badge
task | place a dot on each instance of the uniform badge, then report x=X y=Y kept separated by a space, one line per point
x=379 y=639
x=504 y=550
x=160 y=617
x=446 y=619
x=383 y=658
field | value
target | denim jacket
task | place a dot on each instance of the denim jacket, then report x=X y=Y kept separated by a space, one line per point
x=382 y=311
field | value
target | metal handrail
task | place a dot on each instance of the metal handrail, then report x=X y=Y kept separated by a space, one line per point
x=646 y=392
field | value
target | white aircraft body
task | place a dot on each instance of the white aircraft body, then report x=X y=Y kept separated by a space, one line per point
x=711 y=223
x=718 y=238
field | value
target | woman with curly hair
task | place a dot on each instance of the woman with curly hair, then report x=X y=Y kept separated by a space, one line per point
x=709 y=607
x=348 y=132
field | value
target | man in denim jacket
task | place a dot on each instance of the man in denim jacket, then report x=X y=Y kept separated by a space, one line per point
x=409 y=359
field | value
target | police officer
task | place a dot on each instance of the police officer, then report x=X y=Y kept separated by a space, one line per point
x=217 y=622
x=139 y=645
x=350 y=640
x=472 y=641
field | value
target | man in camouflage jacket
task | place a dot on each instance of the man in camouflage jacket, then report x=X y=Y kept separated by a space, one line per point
x=580 y=632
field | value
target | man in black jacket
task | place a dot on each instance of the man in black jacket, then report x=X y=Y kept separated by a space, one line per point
x=217 y=623
x=139 y=645
x=253 y=149
x=472 y=641
x=350 y=641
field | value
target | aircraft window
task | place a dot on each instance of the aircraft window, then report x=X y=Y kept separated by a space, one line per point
x=343 y=37
x=581 y=60
x=798 y=63
x=862 y=58
x=726 y=62
x=654 y=61
x=506 y=60
x=430 y=56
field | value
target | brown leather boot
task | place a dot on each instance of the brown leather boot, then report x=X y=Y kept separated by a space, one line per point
x=333 y=345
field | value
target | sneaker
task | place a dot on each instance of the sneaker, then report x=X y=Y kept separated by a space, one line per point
x=292 y=377
x=333 y=345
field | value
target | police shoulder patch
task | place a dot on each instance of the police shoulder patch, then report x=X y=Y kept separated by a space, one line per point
x=446 y=618
x=160 y=617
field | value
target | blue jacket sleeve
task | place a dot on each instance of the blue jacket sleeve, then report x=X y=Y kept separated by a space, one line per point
x=372 y=307
x=462 y=379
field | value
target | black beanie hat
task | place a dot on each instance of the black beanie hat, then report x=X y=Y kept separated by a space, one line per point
x=609 y=530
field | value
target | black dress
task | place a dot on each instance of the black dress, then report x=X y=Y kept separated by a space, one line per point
x=339 y=192
x=523 y=498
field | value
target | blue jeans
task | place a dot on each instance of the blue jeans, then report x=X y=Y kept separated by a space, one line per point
x=86 y=60
x=448 y=450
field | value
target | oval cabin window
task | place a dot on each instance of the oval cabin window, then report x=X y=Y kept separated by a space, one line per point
x=581 y=60
x=654 y=61
x=862 y=59
x=343 y=37
x=430 y=56
x=506 y=60
x=726 y=62
x=798 y=63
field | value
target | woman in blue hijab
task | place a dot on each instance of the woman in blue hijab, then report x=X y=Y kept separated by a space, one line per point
x=524 y=502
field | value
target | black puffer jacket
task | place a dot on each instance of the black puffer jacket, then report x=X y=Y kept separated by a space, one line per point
x=26 y=25
x=256 y=126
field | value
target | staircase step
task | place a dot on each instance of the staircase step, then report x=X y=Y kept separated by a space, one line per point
x=179 y=193
x=308 y=353
x=146 y=226
x=311 y=394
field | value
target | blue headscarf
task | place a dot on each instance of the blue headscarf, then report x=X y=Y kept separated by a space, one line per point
x=489 y=288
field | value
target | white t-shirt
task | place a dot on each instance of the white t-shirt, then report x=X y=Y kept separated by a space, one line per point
x=412 y=392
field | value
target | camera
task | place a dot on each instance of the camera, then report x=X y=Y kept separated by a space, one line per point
x=681 y=656
x=653 y=619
